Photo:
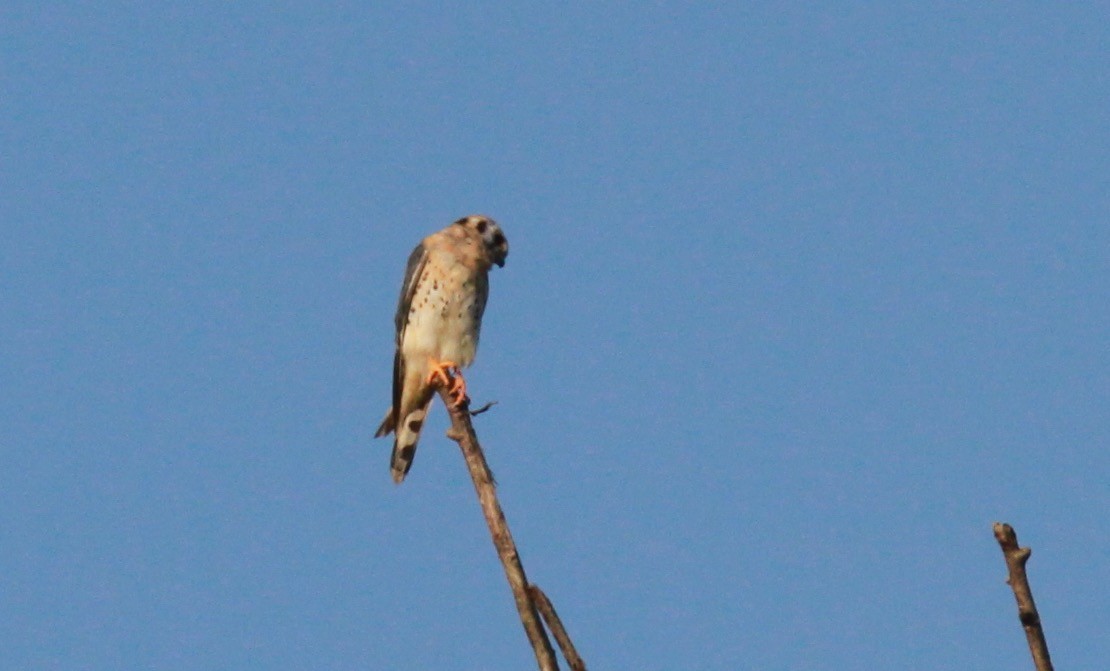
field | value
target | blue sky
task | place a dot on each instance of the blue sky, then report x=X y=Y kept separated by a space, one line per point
x=799 y=302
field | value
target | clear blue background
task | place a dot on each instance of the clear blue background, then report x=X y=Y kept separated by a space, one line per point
x=799 y=302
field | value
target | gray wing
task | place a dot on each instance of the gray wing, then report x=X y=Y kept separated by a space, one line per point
x=417 y=260
x=415 y=268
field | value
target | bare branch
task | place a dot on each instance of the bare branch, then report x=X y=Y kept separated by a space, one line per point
x=462 y=432
x=556 y=626
x=1027 y=610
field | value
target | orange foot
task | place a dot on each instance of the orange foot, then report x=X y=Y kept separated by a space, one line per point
x=447 y=374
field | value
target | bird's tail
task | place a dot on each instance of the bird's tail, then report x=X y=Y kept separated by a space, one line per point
x=406 y=438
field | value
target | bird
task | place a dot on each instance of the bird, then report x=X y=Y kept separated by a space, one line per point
x=438 y=322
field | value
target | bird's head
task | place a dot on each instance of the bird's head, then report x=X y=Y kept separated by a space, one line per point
x=497 y=247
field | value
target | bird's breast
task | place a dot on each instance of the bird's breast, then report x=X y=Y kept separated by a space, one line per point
x=445 y=316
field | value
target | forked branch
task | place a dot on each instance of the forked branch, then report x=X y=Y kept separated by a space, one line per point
x=1027 y=610
x=555 y=625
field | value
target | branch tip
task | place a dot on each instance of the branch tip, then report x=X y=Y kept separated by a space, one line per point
x=1016 y=557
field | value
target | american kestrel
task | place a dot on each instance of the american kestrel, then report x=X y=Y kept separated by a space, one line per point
x=438 y=319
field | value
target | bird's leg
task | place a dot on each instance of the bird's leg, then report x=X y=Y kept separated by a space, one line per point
x=447 y=374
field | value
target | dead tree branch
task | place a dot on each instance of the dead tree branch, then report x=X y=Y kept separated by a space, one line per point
x=462 y=432
x=1027 y=610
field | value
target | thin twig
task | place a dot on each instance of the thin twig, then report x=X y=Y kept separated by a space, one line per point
x=556 y=626
x=462 y=432
x=484 y=408
x=1027 y=610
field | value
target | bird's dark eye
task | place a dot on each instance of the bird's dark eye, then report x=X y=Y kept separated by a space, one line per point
x=498 y=239
x=482 y=225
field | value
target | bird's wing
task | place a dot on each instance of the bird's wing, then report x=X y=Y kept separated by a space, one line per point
x=415 y=268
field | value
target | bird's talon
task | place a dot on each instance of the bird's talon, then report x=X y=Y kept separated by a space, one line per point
x=458 y=390
x=446 y=374
x=441 y=373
